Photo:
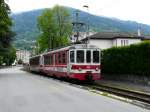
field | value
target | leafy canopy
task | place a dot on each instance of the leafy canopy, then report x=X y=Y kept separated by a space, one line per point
x=7 y=51
x=55 y=28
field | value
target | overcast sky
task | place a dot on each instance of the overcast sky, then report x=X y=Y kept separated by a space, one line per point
x=136 y=10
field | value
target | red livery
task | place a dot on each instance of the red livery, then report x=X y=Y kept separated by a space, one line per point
x=80 y=62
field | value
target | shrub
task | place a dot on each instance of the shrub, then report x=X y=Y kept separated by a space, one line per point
x=1 y=60
x=133 y=59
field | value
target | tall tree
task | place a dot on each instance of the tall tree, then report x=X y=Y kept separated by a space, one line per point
x=5 y=24
x=47 y=28
x=5 y=32
x=63 y=23
x=55 y=27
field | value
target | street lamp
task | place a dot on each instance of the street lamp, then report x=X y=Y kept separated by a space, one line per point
x=88 y=26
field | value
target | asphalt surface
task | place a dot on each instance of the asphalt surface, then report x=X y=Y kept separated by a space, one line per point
x=25 y=92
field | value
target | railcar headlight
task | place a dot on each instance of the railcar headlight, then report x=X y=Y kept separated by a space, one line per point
x=96 y=69
x=80 y=69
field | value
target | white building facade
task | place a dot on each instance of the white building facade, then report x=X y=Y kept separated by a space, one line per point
x=105 y=40
x=23 y=55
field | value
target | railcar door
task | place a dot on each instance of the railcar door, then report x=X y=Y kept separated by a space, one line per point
x=54 y=62
x=71 y=60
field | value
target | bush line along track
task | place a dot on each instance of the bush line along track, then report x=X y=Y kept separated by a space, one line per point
x=134 y=95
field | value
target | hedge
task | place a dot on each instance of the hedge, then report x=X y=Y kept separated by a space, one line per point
x=133 y=59
x=1 y=60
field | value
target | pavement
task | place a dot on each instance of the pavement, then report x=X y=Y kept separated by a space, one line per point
x=25 y=92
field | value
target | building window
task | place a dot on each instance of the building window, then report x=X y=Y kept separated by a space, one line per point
x=124 y=42
x=127 y=42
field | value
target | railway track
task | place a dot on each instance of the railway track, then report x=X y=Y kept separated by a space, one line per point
x=141 y=97
x=133 y=95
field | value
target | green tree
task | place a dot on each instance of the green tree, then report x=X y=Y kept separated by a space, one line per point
x=63 y=24
x=9 y=56
x=55 y=28
x=6 y=33
x=5 y=25
x=47 y=28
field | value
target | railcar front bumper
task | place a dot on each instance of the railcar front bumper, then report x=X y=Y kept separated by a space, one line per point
x=85 y=76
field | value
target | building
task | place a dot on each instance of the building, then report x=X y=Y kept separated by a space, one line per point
x=23 y=55
x=82 y=35
x=105 y=40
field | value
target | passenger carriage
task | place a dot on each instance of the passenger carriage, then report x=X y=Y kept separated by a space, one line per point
x=80 y=62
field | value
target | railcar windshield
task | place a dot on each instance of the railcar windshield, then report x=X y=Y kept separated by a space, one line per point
x=88 y=56
x=80 y=56
x=96 y=57
x=72 y=57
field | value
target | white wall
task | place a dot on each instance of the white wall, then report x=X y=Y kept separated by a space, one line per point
x=108 y=43
x=102 y=44
x=130 y=41
x=23 y=55
x=114 y=41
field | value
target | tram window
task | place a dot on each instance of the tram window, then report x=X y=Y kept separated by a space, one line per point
x=72 y=57
x=59 y=57
x=96 y=57
x=80 y=56
x=50 y=58
x=46 y=60
x=34 y=61
x=63 y=58
x=88 y=56
x=56 y=58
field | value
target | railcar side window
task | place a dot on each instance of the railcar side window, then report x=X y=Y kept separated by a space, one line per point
x=88 y=56
x=55 y=58
x=46 y=60
x=59 y=57
x=96 y=57
x=34 y=61
x=72 y=57
x=63 y=58
x=80 y=56
x=51 y=61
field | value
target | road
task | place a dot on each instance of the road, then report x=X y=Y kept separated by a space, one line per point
x=25 y=92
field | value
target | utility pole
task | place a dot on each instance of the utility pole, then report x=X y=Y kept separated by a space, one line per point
x=77 y=25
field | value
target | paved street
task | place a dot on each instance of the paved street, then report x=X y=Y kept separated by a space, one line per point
x=25 y=92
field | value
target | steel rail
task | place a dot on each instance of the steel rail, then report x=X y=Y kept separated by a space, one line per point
x=134 y=95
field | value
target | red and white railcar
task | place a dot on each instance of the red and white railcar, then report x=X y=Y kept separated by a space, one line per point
x=80 y=62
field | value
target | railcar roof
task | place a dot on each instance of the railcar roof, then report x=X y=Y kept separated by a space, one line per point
x=76 y=46
x=35 y=56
